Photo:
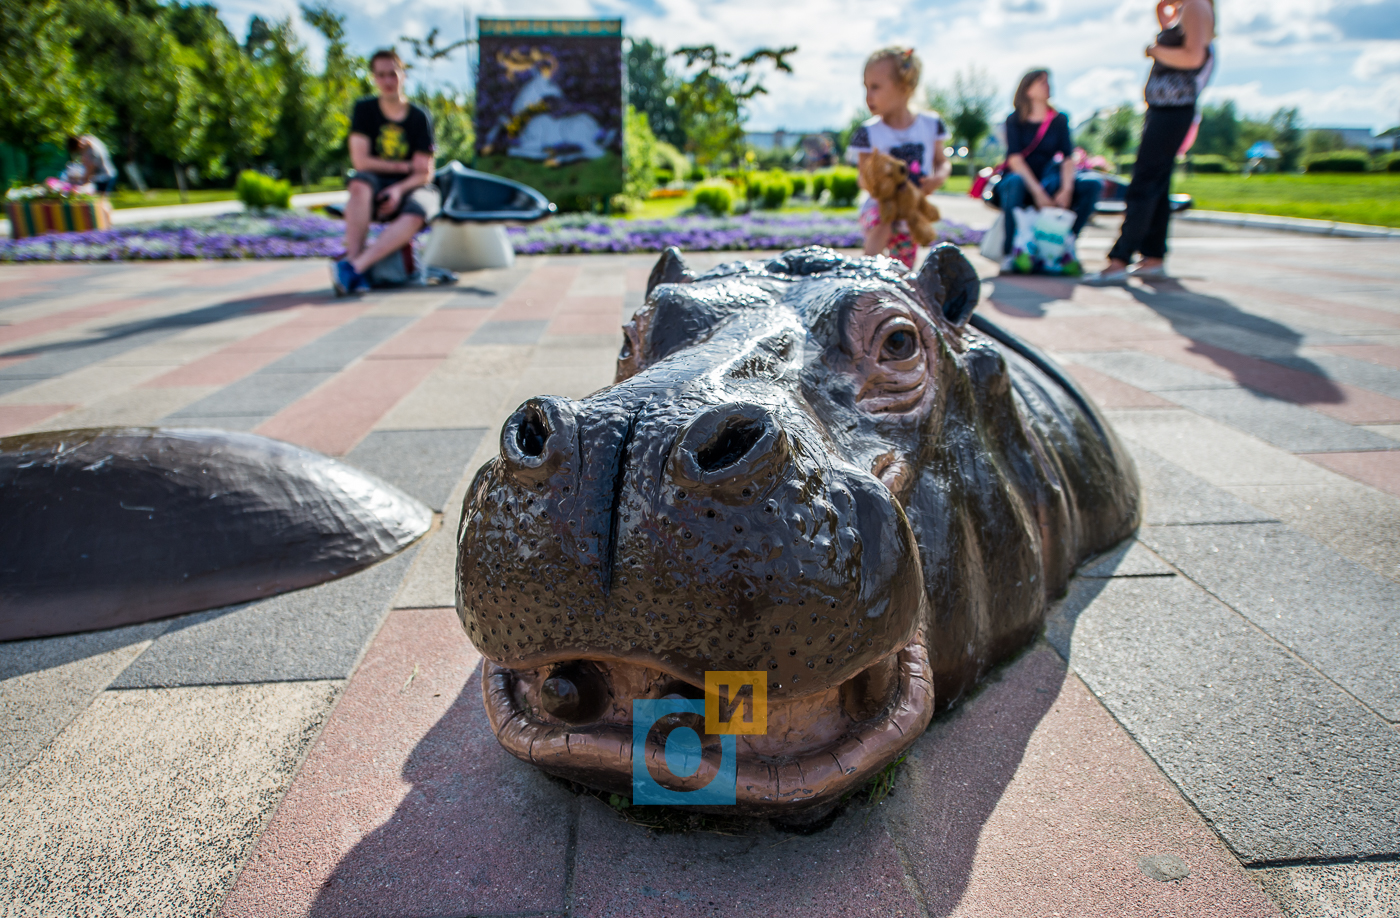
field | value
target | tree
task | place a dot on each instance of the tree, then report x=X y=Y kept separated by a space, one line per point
x=42 y=100
x=1219 y=132
x=974 y=100
x=427 y=50
x=712 y=101
x=1120 y=130
x=452 y=111
x=1288 y=138
x=639 y=150
x=651 y=88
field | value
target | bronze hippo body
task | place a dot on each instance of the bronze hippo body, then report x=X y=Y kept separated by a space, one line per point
x=814 y=467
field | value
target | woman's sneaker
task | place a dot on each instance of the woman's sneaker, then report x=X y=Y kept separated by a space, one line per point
x=346 y=280
x=1155 y=271
x=1105 y=278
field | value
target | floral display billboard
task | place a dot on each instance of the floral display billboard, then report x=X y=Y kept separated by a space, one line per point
x=549 y=109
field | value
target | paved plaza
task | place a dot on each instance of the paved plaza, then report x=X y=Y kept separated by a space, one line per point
x=1209 y=726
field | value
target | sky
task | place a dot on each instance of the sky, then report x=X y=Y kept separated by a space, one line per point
x=1337 y=61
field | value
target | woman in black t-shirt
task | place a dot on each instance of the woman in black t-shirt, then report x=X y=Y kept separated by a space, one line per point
x=1040 y=160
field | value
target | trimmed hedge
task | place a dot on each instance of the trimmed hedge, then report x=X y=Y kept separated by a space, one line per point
x=799 y=183
x=845 y=186
x=1211 y=164
x=715 y=197
x=1338 y=161
x=819 y=183
x=259 y=192
x=774 y=189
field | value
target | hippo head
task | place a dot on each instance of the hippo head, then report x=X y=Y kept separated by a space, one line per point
x=739 y=500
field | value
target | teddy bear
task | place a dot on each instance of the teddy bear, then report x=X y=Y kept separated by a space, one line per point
x=887 y=179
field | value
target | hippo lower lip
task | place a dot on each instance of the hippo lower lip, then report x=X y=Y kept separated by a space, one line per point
x=816 y=748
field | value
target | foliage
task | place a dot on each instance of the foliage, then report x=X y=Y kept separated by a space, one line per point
x=639 y=155
x=1219 y=131
x=774 y=189
x=711 y=101
x=974 y=98
x=259 y=192
x=819 y=183
x=1389 y=163
x=1112 y=131
x=42 y=100
x=845 y=186
x=1318 y=141
x=1288 y=138
x=51 y=189
x=843 y=136
x=1211 y=163
x=651 y=87
x=799 y=181
x=715 y=197
x=1338 y=161
x=666 y=159
x=452 y=111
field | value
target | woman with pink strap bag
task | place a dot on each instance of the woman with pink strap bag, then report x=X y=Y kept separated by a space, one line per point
x=1036 y=134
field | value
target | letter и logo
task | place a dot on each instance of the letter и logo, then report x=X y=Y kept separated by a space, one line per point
x=735 y=702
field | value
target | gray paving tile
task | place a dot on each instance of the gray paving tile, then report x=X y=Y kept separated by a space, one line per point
x=1283 y=764
x=335 y=350
x=244 y=422
x=1284 y=424
x=46 y=682
x=259 y=396
x=316 y=633
x=1334 y=890
x=1128 y=559
x=509 y=331
x=1363 y=373
x=484 y=289
x=1339 y=616
x=1148 y=371
x=1173 y=496
x=633 y=300
x=425 y=463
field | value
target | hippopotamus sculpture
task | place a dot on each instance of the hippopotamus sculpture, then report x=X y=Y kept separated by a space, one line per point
x=814 y=467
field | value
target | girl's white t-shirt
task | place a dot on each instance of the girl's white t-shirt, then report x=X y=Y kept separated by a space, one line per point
x=914 y=144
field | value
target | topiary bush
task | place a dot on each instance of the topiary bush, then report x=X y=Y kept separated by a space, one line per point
x=798 y=180
x=1211 y=164
x=1389 y=163
x=715 y=197
x=259 y=192
x=774 y=188
x=1338 y=161
x=819 y=183
x=845 y=186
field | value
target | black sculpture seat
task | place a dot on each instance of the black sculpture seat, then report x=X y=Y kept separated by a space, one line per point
x=469 y=196
x=469 y=234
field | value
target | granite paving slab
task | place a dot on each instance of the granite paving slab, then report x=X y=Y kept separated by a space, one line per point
x=1283 y=764
x=250 y=401
x=407 y=806
x=1030 y=800
x=1173 y=496
x=1334 y=613
x=1148 y=371
x=1284 y=424
x=46 y=682
x=315 y=633
x=425 y=463
x=485 y=289
x=1129 y=559
x=1335 y=890
x=148 y=802
x=509 y=331
x=335 y=350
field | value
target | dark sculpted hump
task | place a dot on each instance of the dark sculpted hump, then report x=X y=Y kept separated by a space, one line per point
x=822 y=469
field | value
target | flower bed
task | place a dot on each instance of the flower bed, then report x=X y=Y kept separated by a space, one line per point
x=304 y=235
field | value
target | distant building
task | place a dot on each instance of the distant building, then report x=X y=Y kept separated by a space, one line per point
x=1364 y=139
x=771 y=140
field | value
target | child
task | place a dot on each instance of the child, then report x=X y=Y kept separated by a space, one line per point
x=891 y=77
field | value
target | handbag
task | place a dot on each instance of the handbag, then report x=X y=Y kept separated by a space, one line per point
x=979 y=184
x=994 y=239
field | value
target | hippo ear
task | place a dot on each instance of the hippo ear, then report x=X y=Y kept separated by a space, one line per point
x=949 y=280
x=670 y=269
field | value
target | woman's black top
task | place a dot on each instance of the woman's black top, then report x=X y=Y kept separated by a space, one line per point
x=1019 y=135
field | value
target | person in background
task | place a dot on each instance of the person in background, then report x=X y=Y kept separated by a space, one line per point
x=92 y=155
x=391 y=150
x=1031 y=168
x=891 y=77
x=1182 y=61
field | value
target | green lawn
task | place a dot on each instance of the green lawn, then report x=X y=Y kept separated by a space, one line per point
x=1372 y=198
x=162 y=197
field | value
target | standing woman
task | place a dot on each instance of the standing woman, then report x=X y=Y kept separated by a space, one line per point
x=1182 y=59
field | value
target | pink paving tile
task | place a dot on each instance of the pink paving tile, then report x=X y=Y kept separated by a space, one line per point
x=333 y=418
x=68 y=318
x=1340 y=400
x=538 y=295
x=1379 y=468
x=235 y=361
x=206 y=275
x=1080 y=333
x=636 y=279
x=435 y=335
x=1108 y=392
x=585 y=325
x=407 y=805
x=1385 y=354
x=14 y=418
x=1325 y=307
x=1031 y=800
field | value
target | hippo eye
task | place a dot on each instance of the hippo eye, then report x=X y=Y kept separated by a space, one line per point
x=626 y=351
x=898 y=345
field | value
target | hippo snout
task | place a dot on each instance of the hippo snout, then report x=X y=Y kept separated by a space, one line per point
x=729 y=447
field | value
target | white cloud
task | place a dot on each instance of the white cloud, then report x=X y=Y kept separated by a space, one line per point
x=1378 y=61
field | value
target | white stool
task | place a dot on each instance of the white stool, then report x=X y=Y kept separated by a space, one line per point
x=468 y=246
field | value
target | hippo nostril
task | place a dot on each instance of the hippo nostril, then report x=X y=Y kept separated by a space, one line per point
x=731 y=444
x=532 y=433
x=576 y=693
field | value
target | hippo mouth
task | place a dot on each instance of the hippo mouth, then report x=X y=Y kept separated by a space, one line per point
x=574 y=719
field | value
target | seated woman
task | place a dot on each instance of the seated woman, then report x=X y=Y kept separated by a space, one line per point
x=1035 y=133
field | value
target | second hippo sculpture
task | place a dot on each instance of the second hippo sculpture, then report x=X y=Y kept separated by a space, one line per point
x=819 y=468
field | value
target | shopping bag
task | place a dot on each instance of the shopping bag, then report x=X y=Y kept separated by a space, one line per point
x=1023 y=242
x=1052 y=236
x=994 y=239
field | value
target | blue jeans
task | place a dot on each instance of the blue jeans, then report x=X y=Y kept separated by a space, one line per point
x=1013 y=193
